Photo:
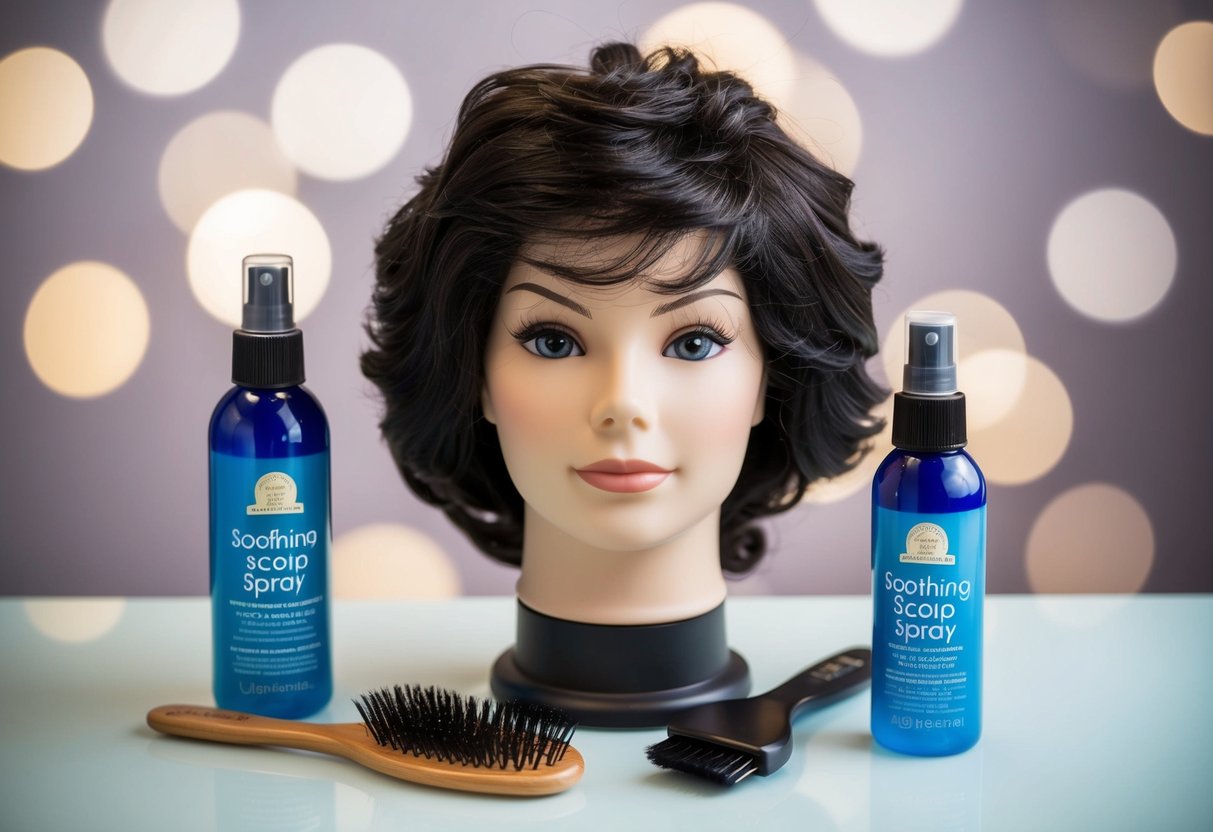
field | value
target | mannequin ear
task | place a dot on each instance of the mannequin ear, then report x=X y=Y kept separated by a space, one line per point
x=760 y=406
x=486 y=404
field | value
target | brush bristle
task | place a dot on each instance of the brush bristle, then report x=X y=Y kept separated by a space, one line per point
x=703 y=759
x=439 y=724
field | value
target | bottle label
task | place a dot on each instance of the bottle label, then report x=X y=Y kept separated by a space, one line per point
x=928 y=589
x=269 y=571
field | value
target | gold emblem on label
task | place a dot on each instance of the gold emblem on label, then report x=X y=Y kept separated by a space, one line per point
x=275 y=493
x=927 y=543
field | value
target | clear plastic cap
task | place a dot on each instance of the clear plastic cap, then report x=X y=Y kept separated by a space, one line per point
x=269 y=293
x=930 y=368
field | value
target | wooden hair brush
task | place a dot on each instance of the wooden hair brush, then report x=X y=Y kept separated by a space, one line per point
x=424 y=735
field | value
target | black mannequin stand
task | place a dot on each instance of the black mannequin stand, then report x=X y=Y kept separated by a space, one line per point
x=612 y=676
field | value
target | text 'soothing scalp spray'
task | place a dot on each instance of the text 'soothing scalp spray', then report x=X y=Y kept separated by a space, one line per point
x=270 y=533
x=928 y=558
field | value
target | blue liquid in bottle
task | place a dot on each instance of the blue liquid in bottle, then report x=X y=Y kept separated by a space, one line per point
x=270 y=514
x=928 y=560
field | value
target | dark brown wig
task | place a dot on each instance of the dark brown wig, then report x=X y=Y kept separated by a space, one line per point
x=654 y=147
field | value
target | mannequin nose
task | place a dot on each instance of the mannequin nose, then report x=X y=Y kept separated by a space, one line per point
x=624 y=401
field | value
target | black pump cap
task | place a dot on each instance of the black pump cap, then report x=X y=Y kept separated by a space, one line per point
x=267 y=351
x=930 y=368
x=929 y=413
x=929 y=423
x=269 y=295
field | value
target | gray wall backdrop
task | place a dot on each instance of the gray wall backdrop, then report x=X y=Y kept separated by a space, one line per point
x=972 y=150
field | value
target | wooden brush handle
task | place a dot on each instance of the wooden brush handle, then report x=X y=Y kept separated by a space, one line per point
x=353 y=741
x=217 y=725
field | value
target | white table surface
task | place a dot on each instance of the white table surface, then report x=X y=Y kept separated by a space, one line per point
x=1098 y=716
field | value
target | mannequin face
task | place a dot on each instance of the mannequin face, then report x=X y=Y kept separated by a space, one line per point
x=623 y=413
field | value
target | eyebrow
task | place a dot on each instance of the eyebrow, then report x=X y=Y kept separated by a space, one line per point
x=691 y=298
x=552 y=296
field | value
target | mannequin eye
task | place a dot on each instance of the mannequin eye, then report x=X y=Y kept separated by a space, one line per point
x=698 y=345
x=552 y=343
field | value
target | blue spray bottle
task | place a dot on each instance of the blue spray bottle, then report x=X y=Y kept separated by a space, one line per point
x=270 y=513
x=928 y=558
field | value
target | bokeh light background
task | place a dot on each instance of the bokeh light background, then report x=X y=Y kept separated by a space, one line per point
x=1045 y=170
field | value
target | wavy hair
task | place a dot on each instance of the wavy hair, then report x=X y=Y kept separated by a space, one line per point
x=655 y=147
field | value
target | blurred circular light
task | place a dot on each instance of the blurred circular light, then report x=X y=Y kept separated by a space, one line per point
x=992 y=381
x=730 y=37
x=76 y=620
x=215 y=155
x=86 y=330
x=341 y=111
x=252 y=222
x=820 y=114
x=170 y=48
x=889 y=28
x=1112 y=255
x=1183 y=75
x=982 y=323
x=385 y=560
x=1030 y=439
x=46 y=108
x=1091 y=538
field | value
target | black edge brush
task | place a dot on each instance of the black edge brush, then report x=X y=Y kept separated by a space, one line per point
x=424 y=735
x=730 y=740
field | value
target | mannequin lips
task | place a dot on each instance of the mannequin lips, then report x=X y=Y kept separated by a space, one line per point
x=624 y=476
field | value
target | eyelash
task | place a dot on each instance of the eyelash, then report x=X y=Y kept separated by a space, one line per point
x=526 y=330
x=712 y=328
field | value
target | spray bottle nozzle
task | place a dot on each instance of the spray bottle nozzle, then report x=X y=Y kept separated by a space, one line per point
x=268 y=293
x=930 y=368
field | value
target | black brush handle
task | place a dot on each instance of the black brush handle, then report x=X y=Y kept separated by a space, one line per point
x=825 y=682
x=761 y=726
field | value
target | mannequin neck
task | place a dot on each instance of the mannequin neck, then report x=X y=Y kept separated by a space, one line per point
x=564 y=577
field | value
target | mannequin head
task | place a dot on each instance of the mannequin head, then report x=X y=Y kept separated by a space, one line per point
x=663 y=200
